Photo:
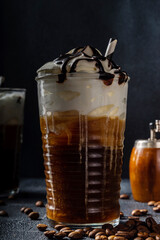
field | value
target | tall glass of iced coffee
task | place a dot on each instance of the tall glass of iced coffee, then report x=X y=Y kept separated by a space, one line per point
x=82 y=104
x=11 y=123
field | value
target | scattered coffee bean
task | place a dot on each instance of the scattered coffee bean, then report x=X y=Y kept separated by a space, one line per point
x=119 y=238
x=67 y=231
x=124 y=196
x=151 y=203
x=94 y=231
x=157 y=209
x=22 y=209
x=133 y=218
x=86 y=229
x=3 y=213
x=39 y=204
x=143 y=211
x=149 y=238
x=59 y=226
x=11 y=197
x=28 y=210
x=80 y=230
x=136 y=212
x=121 y=214
x=75 y=235
x=109 y=232
x=41 y=227
x=138 y=238
x=142 y=234
x=153 y=235
x=33 y=215
x=123 y=234
x=133 y=233
x=2 y=203
x=60 y=235
x=111 y=237
x=49 y=234
x=157 y=203
x=100 y=233
x=65 y=228
x=142 y=228
x=107 y=226
x=101 y=237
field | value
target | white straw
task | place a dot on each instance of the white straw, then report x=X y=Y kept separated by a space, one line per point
x=110 y=48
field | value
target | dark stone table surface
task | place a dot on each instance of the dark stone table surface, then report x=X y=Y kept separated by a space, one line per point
x=17 y=226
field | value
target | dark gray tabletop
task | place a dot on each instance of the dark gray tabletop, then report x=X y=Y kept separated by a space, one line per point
x=19 y=227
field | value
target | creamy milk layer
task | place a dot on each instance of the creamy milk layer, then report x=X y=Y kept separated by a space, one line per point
x=11 y=107
x=83 y=75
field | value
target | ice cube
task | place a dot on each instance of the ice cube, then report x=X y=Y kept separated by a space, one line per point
x=68 y=95
x=101 y=111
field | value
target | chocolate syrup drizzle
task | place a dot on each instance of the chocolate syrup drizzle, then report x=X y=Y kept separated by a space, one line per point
x=96 y=57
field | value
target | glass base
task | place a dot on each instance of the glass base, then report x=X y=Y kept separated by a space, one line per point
x=10 y=193
x=114 y=222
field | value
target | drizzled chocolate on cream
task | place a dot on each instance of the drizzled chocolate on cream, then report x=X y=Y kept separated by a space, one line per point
x=85 y=60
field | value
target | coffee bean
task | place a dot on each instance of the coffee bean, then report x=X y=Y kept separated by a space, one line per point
x=94 y=231
x=157 y=203
x=49 y=234
x=22 y=209
x=33 y=215
x=153 y=235
x=136 y=212
x=123 y=234
x=86 y=229
x=156 y=209
x=142 y=228
x=65 y=228
x=67 y=231
x=133 y=233
x=151 y=203
x=121 y=214
x=138 y=238
x=75 y=235
x=2 y=203
x=3 y=213
x=130 y=223
x=124 y=196
x=133 y=218
x=39 y=204
x=111 y=237
x=119 y=238
x=28 y=210
x=41 y=226
x=100 y=233
x=59 y=226
x=149 y=238
x=107 y=226
x=60 y=235
x=11 y=197
x=109 y=232
x=80 y=230
x=158 y=237
x=121 y=227
x=101 y=237
x=142 y=234
x=143 y=211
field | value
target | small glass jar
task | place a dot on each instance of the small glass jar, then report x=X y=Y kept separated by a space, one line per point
x=144 y=167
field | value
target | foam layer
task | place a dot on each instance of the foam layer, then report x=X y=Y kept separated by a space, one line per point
x=11 y=108
x=87 y=60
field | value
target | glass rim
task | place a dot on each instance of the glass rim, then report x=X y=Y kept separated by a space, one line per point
x=43 y=75
x=12 y=89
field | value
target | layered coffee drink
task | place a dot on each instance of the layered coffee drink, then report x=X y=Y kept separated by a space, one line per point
x=82 y=119
x=11 y=121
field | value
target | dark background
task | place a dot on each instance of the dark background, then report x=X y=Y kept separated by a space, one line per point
x=34 y=32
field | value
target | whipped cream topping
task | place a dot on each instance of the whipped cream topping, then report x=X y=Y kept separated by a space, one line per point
x=84 y=60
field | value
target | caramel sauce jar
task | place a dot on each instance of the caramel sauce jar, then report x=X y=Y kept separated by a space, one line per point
x=144 y=168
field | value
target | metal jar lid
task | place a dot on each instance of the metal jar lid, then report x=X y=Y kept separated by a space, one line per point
x=152 y=142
